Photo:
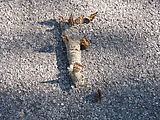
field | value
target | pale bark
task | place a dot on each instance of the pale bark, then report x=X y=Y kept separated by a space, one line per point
x=73 y=41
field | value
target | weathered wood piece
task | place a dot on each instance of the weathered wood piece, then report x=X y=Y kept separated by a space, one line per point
x=73 y=41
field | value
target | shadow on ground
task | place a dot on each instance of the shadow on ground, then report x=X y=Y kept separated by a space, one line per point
x=137 y=100
x=61 y=55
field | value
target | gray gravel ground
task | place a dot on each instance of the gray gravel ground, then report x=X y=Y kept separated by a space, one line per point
x=123 y=61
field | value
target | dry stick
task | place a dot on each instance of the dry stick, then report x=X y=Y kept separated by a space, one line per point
x=73 y=42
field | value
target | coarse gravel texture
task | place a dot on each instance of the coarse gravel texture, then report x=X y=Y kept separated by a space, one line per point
x=123 y=61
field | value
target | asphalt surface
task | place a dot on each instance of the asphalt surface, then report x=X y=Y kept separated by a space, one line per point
x=123 y=61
